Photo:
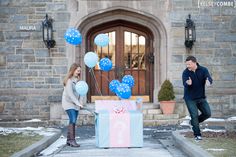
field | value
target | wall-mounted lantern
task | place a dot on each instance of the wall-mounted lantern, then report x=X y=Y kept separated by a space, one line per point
x=48 y=32
x=190 y=33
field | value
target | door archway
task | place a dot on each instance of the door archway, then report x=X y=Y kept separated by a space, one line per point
x=151 y=22
x=130 y=49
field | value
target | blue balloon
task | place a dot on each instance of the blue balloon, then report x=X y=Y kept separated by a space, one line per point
x=73 y=36
x=128 y=79
x=101 y=40
x=81 y=88
x=105 y=64
x=113 y=85
x=123 y=91
x=91 y=59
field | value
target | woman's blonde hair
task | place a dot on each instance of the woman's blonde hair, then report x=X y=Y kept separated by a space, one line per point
x=73 y=67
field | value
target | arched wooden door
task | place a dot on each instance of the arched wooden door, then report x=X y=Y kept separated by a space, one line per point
x=130 y=50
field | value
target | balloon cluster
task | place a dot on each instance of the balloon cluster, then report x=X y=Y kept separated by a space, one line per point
x=121 y=89
x=91 y=58
x=128 y=79
x=113 y=85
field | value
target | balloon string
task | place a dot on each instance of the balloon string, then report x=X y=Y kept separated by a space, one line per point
x=100 y=73
x=96 y=82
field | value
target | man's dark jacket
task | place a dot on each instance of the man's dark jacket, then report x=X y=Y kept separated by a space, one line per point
x=197 y=89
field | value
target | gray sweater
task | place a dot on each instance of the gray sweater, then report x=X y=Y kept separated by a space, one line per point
x=70 y=99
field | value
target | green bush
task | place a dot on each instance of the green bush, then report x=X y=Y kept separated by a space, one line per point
x=166 y=92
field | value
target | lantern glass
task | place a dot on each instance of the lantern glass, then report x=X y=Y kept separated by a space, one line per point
x=47 y=31
x=190 y=33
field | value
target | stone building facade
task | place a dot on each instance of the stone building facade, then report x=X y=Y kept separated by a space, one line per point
x=31 y=75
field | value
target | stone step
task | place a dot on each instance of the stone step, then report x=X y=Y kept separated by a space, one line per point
x=145 y=106
x=150 y=123
x=150 y=106
x=166 y=116
x=160 y=116
x=155 y=119
x=151 y=111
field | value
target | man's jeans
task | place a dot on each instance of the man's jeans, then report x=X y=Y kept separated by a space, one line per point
x=73 y=114
x=193 y=107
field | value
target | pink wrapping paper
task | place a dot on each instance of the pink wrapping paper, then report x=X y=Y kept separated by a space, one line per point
x=109 y=105
x=119 y=130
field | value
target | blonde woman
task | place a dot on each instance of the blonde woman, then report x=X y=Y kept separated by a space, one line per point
x=71 y=103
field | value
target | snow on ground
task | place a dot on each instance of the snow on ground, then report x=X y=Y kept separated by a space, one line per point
x=215 y=149
x=215 y=120
x=232 y=119
x=185 y=123
x=211 y=119
x=211 y=130
x=33 y=120
x=186 y=120
x=28 y=130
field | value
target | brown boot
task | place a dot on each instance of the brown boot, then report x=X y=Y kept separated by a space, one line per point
x=71 y=136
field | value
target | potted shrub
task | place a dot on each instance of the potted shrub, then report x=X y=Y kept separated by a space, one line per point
x=166 y=98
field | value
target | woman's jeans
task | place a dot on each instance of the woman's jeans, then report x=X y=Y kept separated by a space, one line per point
x=73 y=114
x=193 y=107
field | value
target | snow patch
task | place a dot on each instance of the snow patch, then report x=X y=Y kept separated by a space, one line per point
x=33 y=120
x=215 y=120
x=216 y=149
x=231 y=119
x=28 y=130
x=185 y=123
x=187 y=118
x=148 y=129
x=211 y=130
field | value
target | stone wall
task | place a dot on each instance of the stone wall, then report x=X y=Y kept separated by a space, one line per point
x=31 y=76
x=215 y=48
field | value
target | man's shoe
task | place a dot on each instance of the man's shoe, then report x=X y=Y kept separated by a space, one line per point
x=198 y=138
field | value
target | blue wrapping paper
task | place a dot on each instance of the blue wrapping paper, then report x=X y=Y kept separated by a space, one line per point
x=103 y=125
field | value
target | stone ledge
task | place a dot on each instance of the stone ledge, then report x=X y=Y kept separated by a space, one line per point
x=38 y=146
x=188 y=147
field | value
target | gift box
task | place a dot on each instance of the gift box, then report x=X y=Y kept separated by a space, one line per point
x=119 y=129
x=110 y=105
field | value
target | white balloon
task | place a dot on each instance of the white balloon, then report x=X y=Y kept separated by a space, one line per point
x=91 y=59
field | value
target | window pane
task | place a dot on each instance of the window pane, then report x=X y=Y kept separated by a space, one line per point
x=134 y=51
x=142 y=43
x=107 y=51
x=127 y=50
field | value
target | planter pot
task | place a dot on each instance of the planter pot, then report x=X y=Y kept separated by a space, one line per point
x=167 y=107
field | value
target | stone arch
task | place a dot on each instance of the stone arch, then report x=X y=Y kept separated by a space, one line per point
x=135 y=16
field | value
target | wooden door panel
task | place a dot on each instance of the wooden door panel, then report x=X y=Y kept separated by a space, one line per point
x=128 y=51
x=135 y=88
x=141 y=81
x=139 y=77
